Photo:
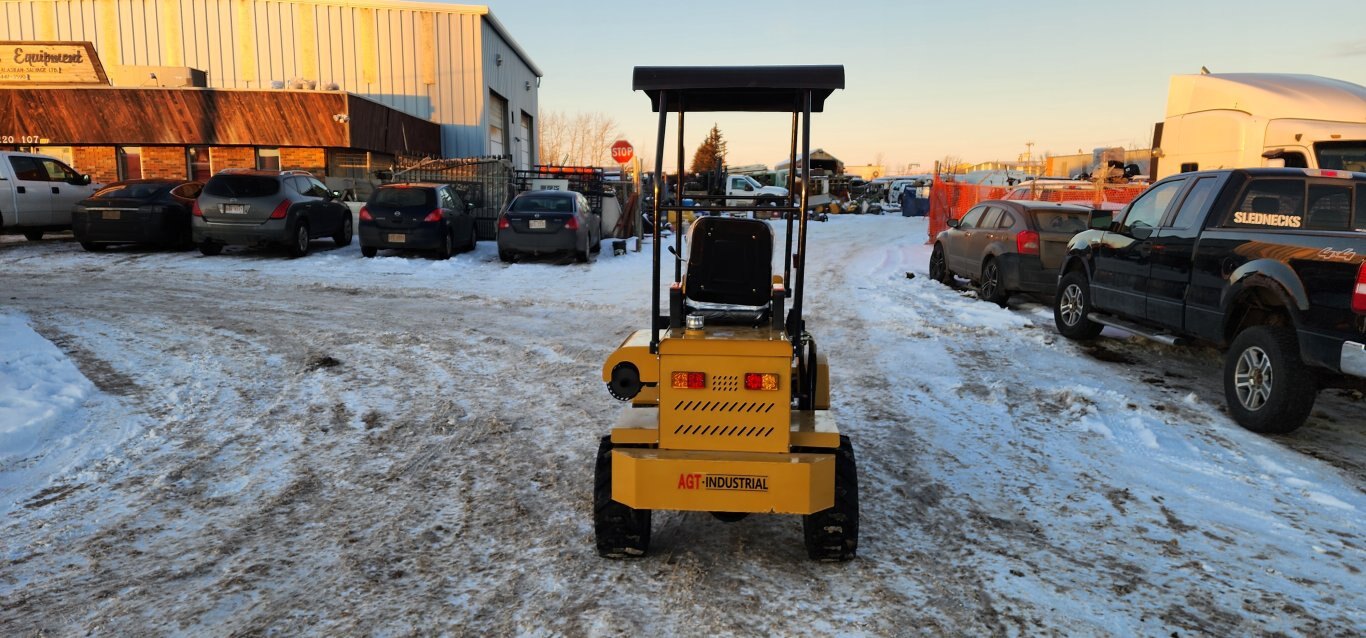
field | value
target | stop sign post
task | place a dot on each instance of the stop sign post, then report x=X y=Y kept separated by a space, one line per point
x=622 y=151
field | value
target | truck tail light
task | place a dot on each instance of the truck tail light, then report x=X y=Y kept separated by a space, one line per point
x=281 y=209
x=434 y=216
x=365 y=215
x=689 y=381
x=196 y=210
x=761 y=381
x=1359 y=295
x=1027 y=242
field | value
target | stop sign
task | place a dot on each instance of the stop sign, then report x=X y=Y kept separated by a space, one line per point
x=622 y=151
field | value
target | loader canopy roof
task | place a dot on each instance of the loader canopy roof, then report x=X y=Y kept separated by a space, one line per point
x=739 y=88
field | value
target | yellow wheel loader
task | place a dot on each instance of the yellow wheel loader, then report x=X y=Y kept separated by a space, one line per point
x=729 y=398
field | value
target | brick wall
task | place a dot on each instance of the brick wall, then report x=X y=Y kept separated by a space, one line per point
x=99 y=162
x=221 y=157
x=313 y=160
x=164 y=161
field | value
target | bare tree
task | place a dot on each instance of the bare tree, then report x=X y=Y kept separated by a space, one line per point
x=581 y=139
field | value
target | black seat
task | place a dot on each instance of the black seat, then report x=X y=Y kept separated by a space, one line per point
x=730 y=261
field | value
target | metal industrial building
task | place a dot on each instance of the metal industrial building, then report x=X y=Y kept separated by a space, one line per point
x=452 y=66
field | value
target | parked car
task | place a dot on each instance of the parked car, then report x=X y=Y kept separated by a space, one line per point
x=1005 y=247
x=140 y=211
x=1069 y=191
x=37 y=193
x=1269 y=263
x=256 y=207
x=417 y=217
x=547 y=222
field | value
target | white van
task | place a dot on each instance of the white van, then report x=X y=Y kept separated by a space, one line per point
x=1248 y=120
x=37 y=193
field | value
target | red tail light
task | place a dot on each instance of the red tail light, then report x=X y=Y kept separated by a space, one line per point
x=197 y=211
x=572 y=224
x=761 y=381
x=1359 y=296
x=365 y=215
x=1027 y=242
x=434 y=216
x=281 y=210
x=503 y=223
x=689 y=380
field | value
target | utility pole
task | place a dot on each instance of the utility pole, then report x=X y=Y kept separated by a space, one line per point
x=1029 y=157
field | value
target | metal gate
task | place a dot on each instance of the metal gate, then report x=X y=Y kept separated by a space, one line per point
x=487 y=182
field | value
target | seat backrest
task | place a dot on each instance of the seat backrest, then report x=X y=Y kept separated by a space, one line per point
x=730 y=261
x=1266 y=204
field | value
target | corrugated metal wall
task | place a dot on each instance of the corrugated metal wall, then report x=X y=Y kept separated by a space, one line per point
x=429 y=63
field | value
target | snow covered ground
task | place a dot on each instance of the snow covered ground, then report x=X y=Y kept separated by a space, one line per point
x=248 y=445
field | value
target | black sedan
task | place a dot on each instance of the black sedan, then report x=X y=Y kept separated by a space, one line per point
x=1004 y=247
x=430 y=217
x=549 y=222
x=138 y=211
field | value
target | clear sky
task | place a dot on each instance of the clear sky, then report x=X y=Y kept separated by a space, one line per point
x=972 y=79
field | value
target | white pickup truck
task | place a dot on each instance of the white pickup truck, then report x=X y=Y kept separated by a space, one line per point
x=748 y=187
x=37 y=193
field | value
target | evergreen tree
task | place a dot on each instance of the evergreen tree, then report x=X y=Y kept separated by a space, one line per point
x=710 y=154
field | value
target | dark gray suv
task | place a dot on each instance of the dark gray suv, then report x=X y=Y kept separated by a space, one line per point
x=254 y=207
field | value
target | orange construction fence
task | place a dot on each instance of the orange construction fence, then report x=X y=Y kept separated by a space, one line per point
x=951 y=200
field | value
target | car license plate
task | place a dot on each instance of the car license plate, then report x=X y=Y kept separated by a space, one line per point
x=234 y=209
x=538 y=224
x=396 y=238
x=110 y=214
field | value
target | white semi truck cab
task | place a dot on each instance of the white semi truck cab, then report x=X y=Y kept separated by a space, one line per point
x=1249 y=120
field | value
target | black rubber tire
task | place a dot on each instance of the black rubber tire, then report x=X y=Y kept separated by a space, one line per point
x=33 y=235
x=1292 y=388
x=447 y=247
x=939 y=266
x=368 y=251
x=585 y=256
x=92 y=247
x=474 y=238
x=992 y=286
x=210 y=248
x=832 y=534
x=298 y=247
x=507 y=256
x=343 y=236
x=620 y=531
x=1071 y=304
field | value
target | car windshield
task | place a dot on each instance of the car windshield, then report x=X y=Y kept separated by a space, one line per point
x=242 y=186
x=1060 y=221
x=1342 y=156
x=541 y=204
x=123 y=190
x=753 y=182
x=403 y=197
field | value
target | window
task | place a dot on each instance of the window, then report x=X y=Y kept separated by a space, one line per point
x=317 y=188
x=1295 y=159
x=1270 y=203
x=198 y=159
x=130 y=162
x=1359 y=221
x=1330 y=207
x=992 y=218
x=1146 y=211
x=1190 y=167
x=1007 y=220
x=1197 y=199
x=27 y=169
x=971 y=218
x=498 y=124
x=268 y=159
x=1343 y=156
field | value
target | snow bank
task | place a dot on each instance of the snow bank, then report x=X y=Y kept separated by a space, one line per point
x=39 y=389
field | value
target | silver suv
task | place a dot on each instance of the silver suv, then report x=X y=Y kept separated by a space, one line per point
x=254 y=207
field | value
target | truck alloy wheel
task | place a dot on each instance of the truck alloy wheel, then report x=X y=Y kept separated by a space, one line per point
x=1071 y=305
x=1268 y=388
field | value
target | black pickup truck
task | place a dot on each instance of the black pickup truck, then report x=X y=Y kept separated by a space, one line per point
x=1268 y=263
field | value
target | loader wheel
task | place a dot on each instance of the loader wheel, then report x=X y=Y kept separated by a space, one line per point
x=621 y=531
x=832 y=534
